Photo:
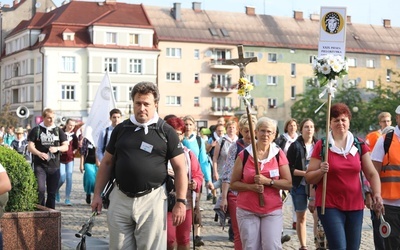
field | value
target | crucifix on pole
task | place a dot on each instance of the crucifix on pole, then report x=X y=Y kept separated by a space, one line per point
x=242 y=62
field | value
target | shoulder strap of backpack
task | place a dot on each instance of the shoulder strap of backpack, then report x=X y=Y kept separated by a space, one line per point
x=222 y=144
x=199 y=141
x=388 y=141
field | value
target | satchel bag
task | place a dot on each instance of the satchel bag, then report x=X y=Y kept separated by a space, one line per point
x=171 y=201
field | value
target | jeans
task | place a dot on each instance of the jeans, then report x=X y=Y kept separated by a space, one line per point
x=66 y=175
x=342 y=228
x=299 y=198
x=47 y=177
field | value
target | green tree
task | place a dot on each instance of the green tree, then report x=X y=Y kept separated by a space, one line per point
x=384 y=97
x=309 y=102
x=8 y=118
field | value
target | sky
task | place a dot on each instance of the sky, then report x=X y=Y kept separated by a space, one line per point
x=361 y=11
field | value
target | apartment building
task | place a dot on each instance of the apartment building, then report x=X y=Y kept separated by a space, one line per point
x=58 y=58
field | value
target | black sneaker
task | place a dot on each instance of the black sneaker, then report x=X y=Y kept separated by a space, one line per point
x=88 y=199
x=209 y=196
x=285 y=238
x=198 y=241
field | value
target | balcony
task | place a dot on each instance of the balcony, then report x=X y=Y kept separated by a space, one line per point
x=223 y=88
x=222 y=111
x=220 y=64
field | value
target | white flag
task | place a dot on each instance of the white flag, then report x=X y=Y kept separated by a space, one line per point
x=99 y=116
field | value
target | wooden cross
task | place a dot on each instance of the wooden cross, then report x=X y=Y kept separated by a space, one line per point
x=241 y=62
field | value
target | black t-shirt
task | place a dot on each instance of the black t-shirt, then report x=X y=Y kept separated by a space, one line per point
x=141 y=160
x=44 y=139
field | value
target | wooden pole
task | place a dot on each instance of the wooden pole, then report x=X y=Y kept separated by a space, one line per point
x=324 y=181
x=254 y=146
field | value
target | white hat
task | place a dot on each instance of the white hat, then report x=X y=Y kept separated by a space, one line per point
x=398 y=110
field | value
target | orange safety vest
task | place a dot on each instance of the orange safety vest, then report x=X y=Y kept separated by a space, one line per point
x=371 y=138
x=390 y=173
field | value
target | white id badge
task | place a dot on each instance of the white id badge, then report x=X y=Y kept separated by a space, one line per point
x=274 y=173
x=353 y=150
x=146 y=147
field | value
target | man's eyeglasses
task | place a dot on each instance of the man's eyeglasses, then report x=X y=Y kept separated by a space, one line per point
x=386 y=121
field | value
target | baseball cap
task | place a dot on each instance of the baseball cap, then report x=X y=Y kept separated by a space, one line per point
x=398 y=110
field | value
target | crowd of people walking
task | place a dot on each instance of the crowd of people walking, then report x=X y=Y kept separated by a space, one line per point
x=246 y=177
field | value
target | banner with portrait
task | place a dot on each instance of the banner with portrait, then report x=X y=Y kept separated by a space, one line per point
x=332 y=34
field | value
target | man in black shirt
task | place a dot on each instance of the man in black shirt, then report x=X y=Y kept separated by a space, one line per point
x=137 y=212
x=46 y=142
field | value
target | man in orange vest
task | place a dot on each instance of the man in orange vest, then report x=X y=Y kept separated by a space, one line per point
x=388 y=165
x=384 y=119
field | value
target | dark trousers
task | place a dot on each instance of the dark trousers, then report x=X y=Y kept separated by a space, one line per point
x=378 y=240
x=47 y=177
x=392 y=216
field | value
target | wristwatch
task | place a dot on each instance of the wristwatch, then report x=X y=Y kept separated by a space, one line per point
x=184 y=201
x=272 y=182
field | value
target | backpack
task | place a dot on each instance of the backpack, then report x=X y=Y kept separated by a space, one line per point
x=357 y=143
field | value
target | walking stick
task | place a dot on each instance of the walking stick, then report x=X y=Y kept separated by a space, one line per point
x=324 y=181
x=254 y=146
x=193 y=204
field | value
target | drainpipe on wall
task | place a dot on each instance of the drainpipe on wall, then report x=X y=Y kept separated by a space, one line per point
x=40 y=50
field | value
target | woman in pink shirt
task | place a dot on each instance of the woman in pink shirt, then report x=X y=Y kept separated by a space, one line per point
x=260 y=227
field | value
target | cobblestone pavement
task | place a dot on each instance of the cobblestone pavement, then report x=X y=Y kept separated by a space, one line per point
x=213 y=235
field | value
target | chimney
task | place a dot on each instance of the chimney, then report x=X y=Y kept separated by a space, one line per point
x=298 y=15
x=15 y=3
x=196 y=6
x=111 y=1
x=386 y=23
x=251 y=11
x=314 y=17
x=176 y=11
x=348 y=20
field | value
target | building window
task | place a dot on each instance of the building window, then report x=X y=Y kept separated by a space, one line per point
x=135 y=66
x=115 y=92
x=110 y=65
x=272 y=103
x=293 y=92
x=370 y=84
x=129 y=93
x=196 y=78
x=196 y=54
x=222 y=104
x=67 y=92
x=351 y=62
x=174 y=52
x=272 y=80
x=370 y=63
x=272 y=57
x=133 y=39
x=111 y=38
x=68 y=64
x=196 y=101
x=173 y=76
x=388 y=75
x=173 y=100
x=293 y=69
x=248 y=54
x=311 y=59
